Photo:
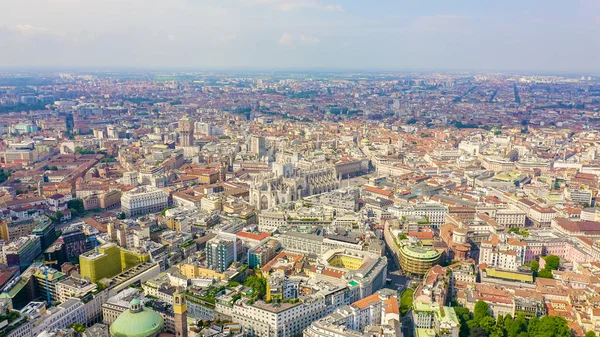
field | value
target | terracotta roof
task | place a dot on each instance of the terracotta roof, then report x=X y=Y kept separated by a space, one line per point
x=365 y=302
x=97 y=225
x=253 y=236
x=587 y=227
x=378 y=190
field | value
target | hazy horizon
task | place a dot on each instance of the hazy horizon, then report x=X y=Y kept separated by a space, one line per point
x=555 y=37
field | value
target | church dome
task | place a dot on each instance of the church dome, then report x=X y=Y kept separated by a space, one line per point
x=138 y=321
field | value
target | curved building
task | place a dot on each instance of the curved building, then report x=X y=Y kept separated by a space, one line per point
x=138 y=321
x=417 y=259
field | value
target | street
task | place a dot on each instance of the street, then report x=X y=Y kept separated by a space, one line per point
x=399 y=282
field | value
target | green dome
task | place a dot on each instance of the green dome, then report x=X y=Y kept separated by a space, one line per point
x=138 y=321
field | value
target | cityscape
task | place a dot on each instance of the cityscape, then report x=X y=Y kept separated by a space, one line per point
x=299 y=168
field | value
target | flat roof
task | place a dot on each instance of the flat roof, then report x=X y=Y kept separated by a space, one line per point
x=420 y=252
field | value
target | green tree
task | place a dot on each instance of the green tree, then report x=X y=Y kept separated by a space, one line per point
x=535 y=266
x=478 y=332
x=487 y=323
x=545 y=273
x=59 y=216
x=78 y=327
x=121 y=216
x=508 y=321
x=497 y=332
x=258 y=284
x=551 y=326
x=4 y=175
x=518 y=325
x=84 y=150
x=464 y=316
x=481 y=310
x=552 y=262
x=532 y=326
x=500 y=322
x=590 y=334
x=76 y=205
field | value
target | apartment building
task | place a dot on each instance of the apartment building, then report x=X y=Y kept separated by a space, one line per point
x=143 y=200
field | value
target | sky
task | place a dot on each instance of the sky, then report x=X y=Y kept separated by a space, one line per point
x=455 y=35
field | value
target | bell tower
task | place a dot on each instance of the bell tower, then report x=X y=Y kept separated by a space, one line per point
x=180 y=311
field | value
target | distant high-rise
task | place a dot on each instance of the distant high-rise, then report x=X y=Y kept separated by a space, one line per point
x=186 y=131
x=69 y=122
x=257 y=145
x=221 y=253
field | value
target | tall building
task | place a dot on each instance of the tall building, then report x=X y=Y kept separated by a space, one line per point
x=103 y=263
x=54 y=277
x=257 y=145
x=186 y=131
x=11 y=230
x=46 y=231
x=180 y=311
x=108 y=261
x=221 y=253
x=74 y=243
x=69 y=122
x=22 y=252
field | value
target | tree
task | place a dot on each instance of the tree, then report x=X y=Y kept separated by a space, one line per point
x=4 y=175
x=487 y=323
x=590 y=334
x=500 y=321
x=464 y=316
x=481 y=310
x=545 y=273
x=551 y=326
x=478 y=332
x=76 y=205
x=59 y=216
x=497 y=332
x=532 y=326
x=121 y=216
x=552 y=262
x=258 y=284
x=535 y=266
x=508 y=321
x=518 y=325
x=78 y=327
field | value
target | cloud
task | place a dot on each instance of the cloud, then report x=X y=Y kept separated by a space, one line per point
x=293 y=5
x=312 y=40
x=171 y=37
x=286 y=39
x=31 y=31
x=290 y=40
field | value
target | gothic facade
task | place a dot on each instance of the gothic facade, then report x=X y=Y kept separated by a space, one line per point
x=269 y=189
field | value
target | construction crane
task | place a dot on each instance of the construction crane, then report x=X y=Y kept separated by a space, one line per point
x=46 y=264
